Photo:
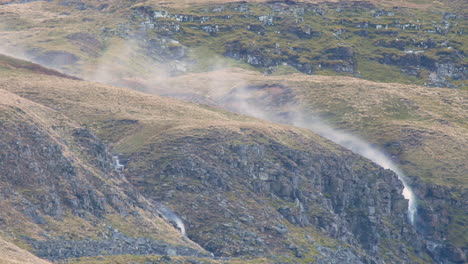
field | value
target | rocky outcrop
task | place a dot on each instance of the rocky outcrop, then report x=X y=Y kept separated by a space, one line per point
x=439 y=207
x=341 y=59
x=209 y=179
x=415 y=45
x=34 y=161
x=57 y=176
x=166 y=48
x=295 y=34
x=116 y=244
x=446 y=72
x=55 y=59
x=439 y=211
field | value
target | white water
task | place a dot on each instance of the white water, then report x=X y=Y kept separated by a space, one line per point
x=180 y=224
x=171 y=216
x=351 y=142
x=363 y=148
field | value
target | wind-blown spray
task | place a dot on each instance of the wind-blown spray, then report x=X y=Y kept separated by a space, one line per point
x=171 y=216
x=364 y=149
x=241 y=103
x=240 y=100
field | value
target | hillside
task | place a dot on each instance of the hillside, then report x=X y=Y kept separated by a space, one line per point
x=243 y=187
x=276 y=131
x=423 y=130
x=366 y=108
x=11 y=254
x=413 y=42
x=59 y=189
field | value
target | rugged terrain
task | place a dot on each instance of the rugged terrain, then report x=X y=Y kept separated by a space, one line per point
x=62 y=197
x=248 y=190
x=204 y=163
x=424 y=130
x=418 y=42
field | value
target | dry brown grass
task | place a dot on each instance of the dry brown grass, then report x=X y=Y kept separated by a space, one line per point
x=386 y=3
x=36 y=11
x=378 y=111
x=94 y=104
x=431 y=123
x=19 y=109
x=46 y=25
x=11 y=254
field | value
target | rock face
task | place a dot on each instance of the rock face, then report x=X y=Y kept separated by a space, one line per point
x=56 y=59
x=435 y=215
x=116 y=244
x=366 y=39
x=243 y=199
x=439 y=208
x=57 y=176
x=313 y=38
x=30 y=160
x=241 y=190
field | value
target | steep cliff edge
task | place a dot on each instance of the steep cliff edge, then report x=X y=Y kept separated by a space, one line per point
x=144 y=45
x=61 y=196
x=421 y=130
x=244 y=187
x=264 y=196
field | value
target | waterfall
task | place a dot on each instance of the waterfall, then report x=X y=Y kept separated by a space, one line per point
x=173 y=218
x=365 y=149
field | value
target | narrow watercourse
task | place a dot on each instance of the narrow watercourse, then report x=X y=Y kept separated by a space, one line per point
x=363 y=148
x=241 y=100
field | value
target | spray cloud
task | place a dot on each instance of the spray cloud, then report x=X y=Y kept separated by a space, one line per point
x=172 y=217
x=365 y=149
x=241 y=100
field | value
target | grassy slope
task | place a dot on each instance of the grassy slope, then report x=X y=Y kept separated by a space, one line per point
x=420 y=117
x=46 y=26
x=95 y=105
x=160 y=259
x=421 y=4
x=431 y=124
x=367 y=53
x=435 y=119
x=49 y=16
x=11 y=254
x=131 y=120
x=424 y=130
x=15 y=110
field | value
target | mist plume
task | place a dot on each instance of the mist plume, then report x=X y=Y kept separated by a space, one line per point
x=173 y=218
x=240 y=100
x=365 y=149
